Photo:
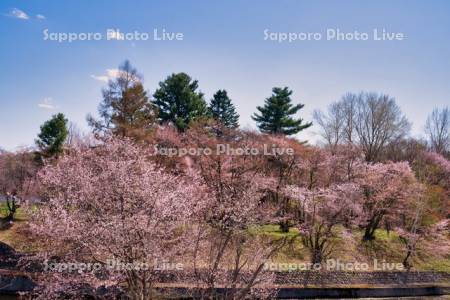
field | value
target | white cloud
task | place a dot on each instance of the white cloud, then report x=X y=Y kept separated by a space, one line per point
x=47 y=103
x=100 y=78
x=40 y=17
x=110 y=74
x=19 y=14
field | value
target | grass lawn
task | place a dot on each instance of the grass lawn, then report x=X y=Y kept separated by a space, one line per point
x=18 y=235
x=348 y=247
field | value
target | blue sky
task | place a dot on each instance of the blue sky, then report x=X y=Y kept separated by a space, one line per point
x=223 y=46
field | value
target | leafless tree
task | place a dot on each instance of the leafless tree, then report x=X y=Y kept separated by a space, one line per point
x=74 y=137
x=348 y=105
x=332 y=124
x=79 y=139
x=378 y=121
x=407 y=149
x=437 y=128
x=337 y=124
x=369 y=120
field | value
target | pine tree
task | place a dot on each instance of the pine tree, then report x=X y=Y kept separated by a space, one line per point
x=276 y=116
x=53 y=135
x=223 y=110
x=125 y=109
x=178 y=101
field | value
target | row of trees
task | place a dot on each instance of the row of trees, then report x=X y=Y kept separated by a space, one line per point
x=118 y=200
x=375 y=122
x=127 y=110
x=371 y=121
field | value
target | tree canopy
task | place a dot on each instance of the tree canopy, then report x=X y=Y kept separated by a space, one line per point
x=223 y=110
x=277 y=114
x=178 y=101
x=53 y=135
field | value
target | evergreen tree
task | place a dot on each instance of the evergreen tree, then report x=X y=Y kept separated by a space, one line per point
x=53 y=135
x=178 y=101
x=125 y=109
x=276 y=116
x=223 y=110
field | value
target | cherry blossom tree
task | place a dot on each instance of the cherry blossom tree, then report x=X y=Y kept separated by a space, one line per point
x=226 y=254
x=324 y=199
x=283 y=167
x=387 y=189
x=112 y=203
x=411 y=231
x=437 y=170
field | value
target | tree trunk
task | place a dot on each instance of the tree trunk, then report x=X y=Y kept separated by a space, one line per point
x=369 y=232
x=316 y=257
x=405 y=262
x=284 y=226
